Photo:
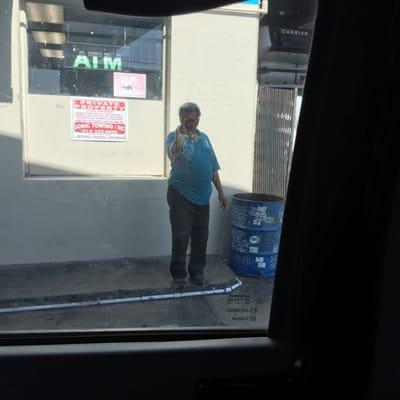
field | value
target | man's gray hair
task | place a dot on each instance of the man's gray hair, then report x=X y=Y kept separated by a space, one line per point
x=189 y=107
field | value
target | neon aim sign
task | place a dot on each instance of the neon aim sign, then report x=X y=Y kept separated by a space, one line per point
x=94 y=62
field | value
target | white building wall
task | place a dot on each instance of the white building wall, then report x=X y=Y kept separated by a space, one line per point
x=213 y=62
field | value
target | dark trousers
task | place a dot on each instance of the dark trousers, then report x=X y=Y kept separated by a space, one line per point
x=188 y=221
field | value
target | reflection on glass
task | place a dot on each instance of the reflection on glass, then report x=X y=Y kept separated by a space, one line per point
x=86 y=49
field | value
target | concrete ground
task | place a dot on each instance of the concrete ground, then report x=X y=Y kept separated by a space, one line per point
x=34 y=284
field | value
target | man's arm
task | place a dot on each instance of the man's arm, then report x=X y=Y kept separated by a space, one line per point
x=221 y=197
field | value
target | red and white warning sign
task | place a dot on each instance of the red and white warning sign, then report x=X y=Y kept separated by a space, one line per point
x=99 y=119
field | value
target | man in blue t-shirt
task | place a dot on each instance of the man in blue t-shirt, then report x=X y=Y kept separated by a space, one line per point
x=194 y=167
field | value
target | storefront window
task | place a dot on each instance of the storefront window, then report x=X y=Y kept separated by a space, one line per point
x=74 y=52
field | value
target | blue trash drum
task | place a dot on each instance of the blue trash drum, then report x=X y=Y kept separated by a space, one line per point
x=256 y=230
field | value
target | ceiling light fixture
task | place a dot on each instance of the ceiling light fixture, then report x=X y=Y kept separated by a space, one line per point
x=50 y=53
x=49 y=13
x=49 y=37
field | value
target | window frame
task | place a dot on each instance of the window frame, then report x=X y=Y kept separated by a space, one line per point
x=332 y=354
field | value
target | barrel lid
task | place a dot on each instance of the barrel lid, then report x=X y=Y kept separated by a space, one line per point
x=260 y=197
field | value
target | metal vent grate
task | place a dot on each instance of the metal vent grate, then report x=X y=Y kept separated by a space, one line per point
x=273 y=140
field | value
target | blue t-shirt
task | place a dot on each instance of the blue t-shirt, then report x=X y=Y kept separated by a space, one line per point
x=192 y=175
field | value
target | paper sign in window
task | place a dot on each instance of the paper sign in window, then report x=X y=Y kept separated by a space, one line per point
x=129 y=85
x=98 y=119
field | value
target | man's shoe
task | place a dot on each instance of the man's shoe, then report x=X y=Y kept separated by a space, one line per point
x=178 y=284
x=198 y=280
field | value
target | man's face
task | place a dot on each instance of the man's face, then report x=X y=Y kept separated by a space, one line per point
x=189 y=120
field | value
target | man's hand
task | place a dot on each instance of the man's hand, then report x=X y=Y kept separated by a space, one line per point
x=221 y=197
x=181 y=129
x=175 y=149
x=222 y=201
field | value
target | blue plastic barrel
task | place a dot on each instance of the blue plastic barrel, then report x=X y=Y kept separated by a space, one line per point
x=256 y=229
